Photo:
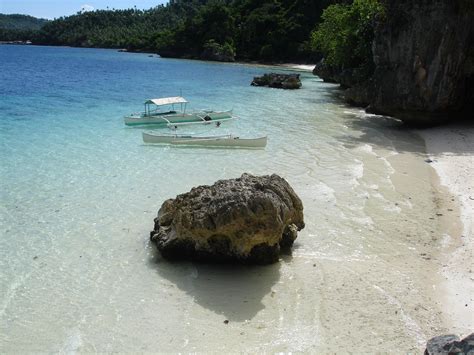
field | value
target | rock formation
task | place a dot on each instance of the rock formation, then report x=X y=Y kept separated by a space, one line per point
x=282 y=81
x=326 y=72
x=248 y=220
x=424 y=63
x=450 y=344
x=424 y=58
x=216 y=52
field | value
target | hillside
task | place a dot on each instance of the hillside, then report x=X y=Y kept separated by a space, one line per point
x=21 y=22
x=265 y=30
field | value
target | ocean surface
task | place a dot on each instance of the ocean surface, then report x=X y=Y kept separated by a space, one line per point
x=79 y=192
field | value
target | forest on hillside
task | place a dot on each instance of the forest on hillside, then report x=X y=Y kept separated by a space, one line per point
x=19 y=27
x=21 y=22
x=250 y=29
x=246 y=30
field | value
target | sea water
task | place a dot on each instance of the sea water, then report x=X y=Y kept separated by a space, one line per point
x=79 y=191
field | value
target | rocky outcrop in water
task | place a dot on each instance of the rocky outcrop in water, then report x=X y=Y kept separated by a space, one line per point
x=450 y=344
x=281 y=81
x=248 y=220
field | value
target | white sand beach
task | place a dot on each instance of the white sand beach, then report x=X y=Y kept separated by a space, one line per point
x=451 y=150
x=302 y=67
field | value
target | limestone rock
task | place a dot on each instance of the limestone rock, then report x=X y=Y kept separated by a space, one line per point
x=424 y=64
x=274 y=80
x=328 y=73
x=424 y=61
x=217 y=52
x=450 y=344
x=359 y=95
x=248 y=220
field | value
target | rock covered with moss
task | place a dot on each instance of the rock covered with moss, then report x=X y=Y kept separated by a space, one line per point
x=248 y=219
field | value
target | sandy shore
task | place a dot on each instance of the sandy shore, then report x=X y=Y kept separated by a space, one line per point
x=451 y=150
x=302 y=67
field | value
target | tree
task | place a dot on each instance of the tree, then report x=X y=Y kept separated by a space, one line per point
x=346 y=33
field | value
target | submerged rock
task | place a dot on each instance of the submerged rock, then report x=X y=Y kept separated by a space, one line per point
x=274 y=80
x=450 y=344
x=248 y=220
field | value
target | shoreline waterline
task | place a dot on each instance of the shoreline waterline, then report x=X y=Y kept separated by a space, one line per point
x=450 y=150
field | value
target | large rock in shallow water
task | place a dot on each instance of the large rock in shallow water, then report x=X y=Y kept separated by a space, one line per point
x=247 y=220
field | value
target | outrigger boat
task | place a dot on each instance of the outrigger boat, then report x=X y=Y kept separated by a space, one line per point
x=206 y=141
x=165 y=111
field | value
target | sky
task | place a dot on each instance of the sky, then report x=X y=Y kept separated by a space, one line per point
x=51 y=9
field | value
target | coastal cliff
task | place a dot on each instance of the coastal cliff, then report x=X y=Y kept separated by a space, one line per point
x=424 y=61
x=423 y=56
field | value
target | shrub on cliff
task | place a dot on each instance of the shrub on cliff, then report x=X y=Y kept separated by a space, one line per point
x=346 y=33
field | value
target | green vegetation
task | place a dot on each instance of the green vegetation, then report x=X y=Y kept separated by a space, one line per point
x=268 y=30
x=346 y=33
x=19 y=27
x=21 y=22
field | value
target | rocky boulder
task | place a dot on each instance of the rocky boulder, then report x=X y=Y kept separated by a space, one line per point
x=281 y=81
x=328 y=73
x=248 y=220
x=450 y=344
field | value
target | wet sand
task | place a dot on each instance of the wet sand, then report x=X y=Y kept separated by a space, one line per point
x=451 y=151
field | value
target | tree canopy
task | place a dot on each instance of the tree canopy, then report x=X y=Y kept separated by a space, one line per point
x=346 y=32
x=264 y=30
x=19 y=27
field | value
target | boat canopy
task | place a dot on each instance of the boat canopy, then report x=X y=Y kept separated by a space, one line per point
x=167 y=101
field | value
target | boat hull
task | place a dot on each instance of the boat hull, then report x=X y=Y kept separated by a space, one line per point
x=213 y=141
x=205 y=117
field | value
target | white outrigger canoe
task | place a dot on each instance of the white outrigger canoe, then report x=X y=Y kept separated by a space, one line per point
x=205 y=141
x=171 y=112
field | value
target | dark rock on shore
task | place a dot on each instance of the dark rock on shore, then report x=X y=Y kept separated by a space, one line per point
x=248 y=220
x=274 y=80
x=217 y=52
x=359 y=95
x=217 y=56
x=450 y=344
x=328 y=73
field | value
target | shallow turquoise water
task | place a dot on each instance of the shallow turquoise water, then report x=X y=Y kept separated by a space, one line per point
x=79 y=192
